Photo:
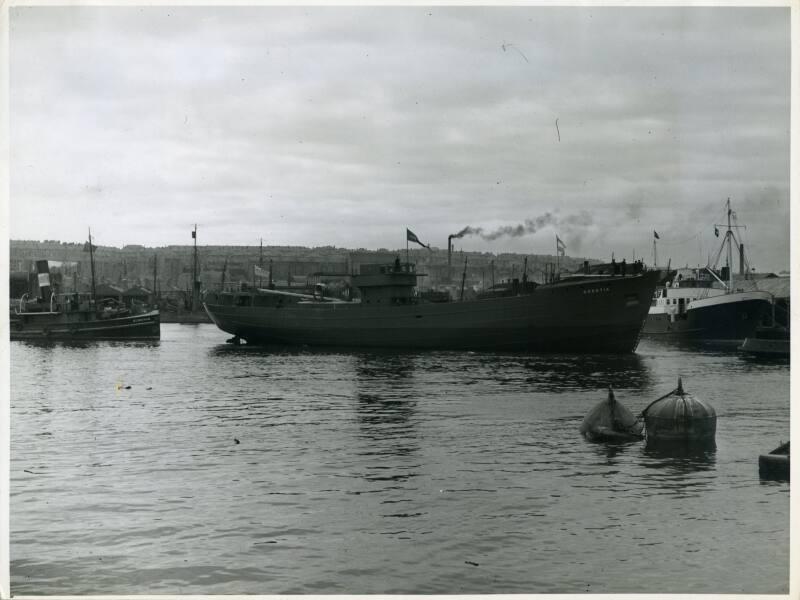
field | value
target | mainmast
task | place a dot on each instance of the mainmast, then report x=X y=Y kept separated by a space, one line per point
x=728 y=241
x=728 y=237
x=155 y=275
x=194 y=270
x=655 y=252
x=91 y=264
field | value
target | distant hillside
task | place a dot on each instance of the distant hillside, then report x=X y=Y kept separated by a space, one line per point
x=172 y=265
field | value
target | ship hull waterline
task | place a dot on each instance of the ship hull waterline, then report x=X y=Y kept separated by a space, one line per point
x=729 y=322
x=77 y=326
x=590 y=316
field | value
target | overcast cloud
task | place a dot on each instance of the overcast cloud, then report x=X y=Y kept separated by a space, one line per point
x=345 y=125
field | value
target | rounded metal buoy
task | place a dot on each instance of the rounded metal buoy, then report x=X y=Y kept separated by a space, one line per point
x=679 y=416
x=610 y=421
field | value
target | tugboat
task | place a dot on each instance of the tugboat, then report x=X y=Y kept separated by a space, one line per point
x=75 y=317
x=703 y=303
x=600 y=314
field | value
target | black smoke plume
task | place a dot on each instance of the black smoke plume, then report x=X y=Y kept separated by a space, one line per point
x=529 y=226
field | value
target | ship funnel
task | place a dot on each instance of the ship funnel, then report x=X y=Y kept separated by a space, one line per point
x=43 y=271
x=449 y=251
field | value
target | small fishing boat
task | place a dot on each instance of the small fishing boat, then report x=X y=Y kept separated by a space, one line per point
x=610 y=421
x=776 y=464
x=680 y=417
x=78 y=316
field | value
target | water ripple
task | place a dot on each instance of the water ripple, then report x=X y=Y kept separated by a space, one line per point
x=251 y=470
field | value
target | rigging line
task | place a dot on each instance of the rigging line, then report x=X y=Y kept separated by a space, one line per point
x=675 y=243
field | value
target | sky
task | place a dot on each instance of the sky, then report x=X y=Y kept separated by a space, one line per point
x=344 y=126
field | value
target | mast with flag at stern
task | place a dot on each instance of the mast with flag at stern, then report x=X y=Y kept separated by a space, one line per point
x=412 y=237
x=655 y=255
x=561 y=249
x=88 y=247
x=194 y=271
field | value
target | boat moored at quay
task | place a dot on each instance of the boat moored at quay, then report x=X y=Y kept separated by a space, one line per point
x=77 y=316
x=580 y=313
x=705 y=304
x=692 y=307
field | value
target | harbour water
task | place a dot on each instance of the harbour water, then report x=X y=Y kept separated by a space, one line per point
x=191 y=466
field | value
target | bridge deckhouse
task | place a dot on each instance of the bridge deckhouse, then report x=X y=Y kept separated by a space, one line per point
x=687 y=286
x=388 y=284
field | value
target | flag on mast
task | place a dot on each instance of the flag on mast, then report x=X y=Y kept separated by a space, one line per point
x=560 y=247
x=412 y=237
x=655 y=235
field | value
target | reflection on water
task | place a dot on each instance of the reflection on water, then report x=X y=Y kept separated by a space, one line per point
x=374 y=412
x=612 y=449
x=553 y=374
x=758 y=362
x=385 y=410
x=389 y=368
x=691 y=449
x=549 y=373
x=681 y=470
x=685 y=345
x=84 y=344
x=237 y=469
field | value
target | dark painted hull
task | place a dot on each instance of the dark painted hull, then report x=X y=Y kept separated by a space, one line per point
x=733 y=321
x=776 y=464
x=84 y=325
x=588 y=315
x=759 y=347
x=187 y=317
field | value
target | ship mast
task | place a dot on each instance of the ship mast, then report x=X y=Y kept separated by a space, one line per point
x=91 y=264
x=194 y=270
x=728 y=236
x=155 y=275
x=728 y=241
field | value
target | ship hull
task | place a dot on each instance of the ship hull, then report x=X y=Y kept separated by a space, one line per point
x=727 y=318
x=79 y=325
x=593 y=316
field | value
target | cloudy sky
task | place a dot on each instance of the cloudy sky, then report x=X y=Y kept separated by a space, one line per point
x=345 y=125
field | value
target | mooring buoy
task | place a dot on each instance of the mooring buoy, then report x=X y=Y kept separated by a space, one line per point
x=679 y=416
x=610 y=421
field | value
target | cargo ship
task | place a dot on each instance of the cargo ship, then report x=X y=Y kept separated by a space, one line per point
x=586 y=313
